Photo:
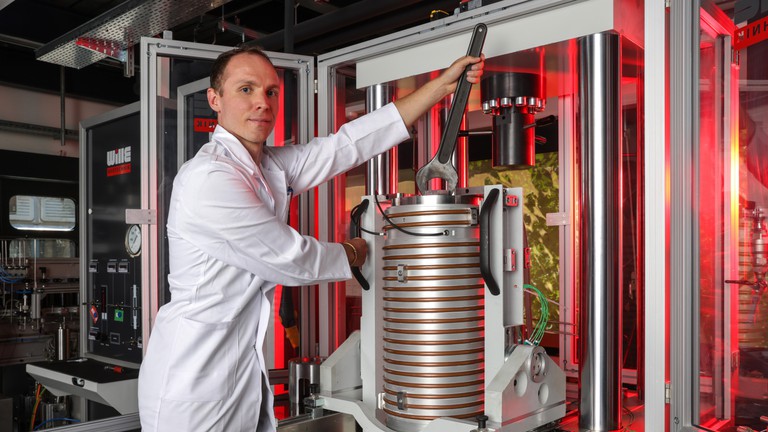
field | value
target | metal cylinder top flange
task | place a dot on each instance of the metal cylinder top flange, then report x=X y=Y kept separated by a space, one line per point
x=513 y=98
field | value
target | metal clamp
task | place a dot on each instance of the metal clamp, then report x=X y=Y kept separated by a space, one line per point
x=402 y=401
x=402 y=273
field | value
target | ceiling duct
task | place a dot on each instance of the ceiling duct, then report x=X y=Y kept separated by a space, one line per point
x=335 y=20
x=120 y=28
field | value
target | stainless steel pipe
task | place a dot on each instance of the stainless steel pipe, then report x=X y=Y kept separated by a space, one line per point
x=381 y=171
x=600 y=118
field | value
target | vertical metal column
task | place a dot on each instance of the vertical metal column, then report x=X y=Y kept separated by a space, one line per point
x=381 y=172
x=600 y=118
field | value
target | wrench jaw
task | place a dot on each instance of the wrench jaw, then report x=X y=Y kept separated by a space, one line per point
x=434 y=169
x=422 y=181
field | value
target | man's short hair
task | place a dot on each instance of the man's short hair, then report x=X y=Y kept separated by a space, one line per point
x=217 y=70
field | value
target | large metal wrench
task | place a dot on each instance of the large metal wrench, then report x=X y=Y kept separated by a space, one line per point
x=441 y=166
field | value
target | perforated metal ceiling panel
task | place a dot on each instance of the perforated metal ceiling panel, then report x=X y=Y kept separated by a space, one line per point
x=122 y=27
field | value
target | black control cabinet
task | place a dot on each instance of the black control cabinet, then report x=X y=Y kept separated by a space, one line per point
x=112 y=249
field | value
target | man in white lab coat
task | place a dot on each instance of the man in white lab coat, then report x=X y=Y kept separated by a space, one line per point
x=230 y=244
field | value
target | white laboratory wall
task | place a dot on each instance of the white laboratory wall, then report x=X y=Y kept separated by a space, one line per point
x=43 y=109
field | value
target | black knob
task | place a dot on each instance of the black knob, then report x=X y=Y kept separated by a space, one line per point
x=314 y=388
x=481 y=420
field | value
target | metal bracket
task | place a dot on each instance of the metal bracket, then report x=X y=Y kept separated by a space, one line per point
x=557 y=219
x=510 y=260
x=510 y=200
x=141 y=216
x=129 y=63
x=402 y=402
x=402 y=273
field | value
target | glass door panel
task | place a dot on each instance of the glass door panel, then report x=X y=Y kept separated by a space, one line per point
x=710 y=232
x=181 y=122
x=750 y=313
x=714 y=234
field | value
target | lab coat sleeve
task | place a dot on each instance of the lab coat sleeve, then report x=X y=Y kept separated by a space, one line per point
x=311 y=164
x=220 y=213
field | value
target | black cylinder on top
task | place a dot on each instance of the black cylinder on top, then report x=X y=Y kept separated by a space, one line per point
x=513 y=98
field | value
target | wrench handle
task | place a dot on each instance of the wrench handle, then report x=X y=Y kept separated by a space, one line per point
x=460 y=97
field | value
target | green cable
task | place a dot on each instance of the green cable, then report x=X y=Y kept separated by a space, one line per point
x=538 y=332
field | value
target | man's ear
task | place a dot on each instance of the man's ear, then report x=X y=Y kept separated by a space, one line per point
x=213 y=99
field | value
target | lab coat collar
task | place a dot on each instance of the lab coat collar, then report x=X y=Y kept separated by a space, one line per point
x=235 y=148
x=240 y=154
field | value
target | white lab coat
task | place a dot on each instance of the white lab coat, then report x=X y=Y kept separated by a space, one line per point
x=204 y=368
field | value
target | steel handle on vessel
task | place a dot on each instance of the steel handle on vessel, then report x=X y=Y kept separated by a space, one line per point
x=360 y=278
x=485 y=241
x=358 y=232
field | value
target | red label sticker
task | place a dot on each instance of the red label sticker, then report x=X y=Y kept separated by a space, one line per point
x=751 y=34
x=205 y=124
x=118 y=170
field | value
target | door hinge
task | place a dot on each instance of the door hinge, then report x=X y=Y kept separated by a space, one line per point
x=735 y=57
x=667 y=393
x=315 y=81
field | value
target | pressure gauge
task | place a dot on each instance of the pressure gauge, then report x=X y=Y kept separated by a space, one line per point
x=133 y=240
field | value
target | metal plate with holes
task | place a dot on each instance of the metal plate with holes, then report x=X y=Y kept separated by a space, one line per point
x=332 y=422
x=122 y=26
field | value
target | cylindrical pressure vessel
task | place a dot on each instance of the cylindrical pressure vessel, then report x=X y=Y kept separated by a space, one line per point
x=433 y=312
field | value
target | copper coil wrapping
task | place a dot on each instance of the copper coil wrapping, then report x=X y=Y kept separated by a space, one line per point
x=433 y=316
x=753 y=331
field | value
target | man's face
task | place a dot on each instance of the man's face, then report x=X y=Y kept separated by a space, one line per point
x=249 y=98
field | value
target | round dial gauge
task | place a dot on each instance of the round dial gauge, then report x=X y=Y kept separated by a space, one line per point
x=133 y=240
